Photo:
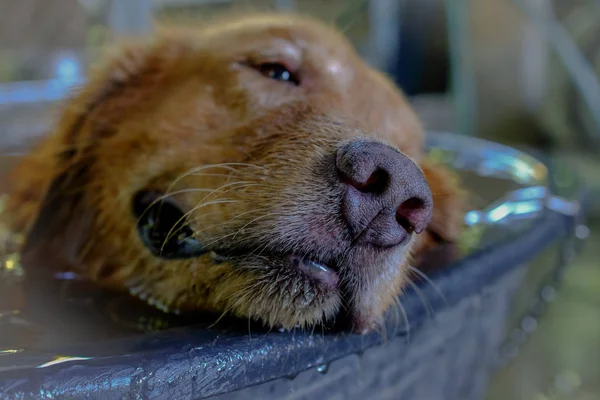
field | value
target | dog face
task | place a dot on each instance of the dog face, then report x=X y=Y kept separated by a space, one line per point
x=256 y=166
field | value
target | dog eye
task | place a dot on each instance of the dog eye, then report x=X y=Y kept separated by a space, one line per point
x=162 y=228
x=277 y=72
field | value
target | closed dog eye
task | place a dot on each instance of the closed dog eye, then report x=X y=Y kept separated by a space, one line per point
x=276 y=71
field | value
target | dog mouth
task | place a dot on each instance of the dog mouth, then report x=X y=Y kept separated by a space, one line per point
x=307 y=281
x=323 y=273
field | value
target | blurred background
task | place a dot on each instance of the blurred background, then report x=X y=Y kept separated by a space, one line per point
x=521 y=72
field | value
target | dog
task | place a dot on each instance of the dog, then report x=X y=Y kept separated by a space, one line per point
x=255 y=167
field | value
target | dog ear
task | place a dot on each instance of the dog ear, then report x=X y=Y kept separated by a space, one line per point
x=61 y=227
x=49 y=187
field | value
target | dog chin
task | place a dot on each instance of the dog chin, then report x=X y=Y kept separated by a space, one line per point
x=364 y=280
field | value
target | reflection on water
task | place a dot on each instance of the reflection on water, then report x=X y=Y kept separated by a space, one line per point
x=507 y=193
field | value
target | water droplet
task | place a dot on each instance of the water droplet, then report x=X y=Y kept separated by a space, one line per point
x=323 y=368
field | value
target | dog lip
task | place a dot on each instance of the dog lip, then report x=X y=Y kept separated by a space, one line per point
x=312 y=267
x=360 y=241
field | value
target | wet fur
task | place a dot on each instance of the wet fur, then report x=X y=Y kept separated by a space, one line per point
x=247 y=156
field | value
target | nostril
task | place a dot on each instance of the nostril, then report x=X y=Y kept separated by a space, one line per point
x=407 y=215
x=411 y=204
x=376 y=183
x=405 y=224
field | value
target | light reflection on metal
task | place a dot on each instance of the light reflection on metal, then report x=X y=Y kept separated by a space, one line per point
x=495 y=160
x=10 y=351
x=514 y=209
x=62 y=359
x=499 y=213
x=487 y=159
x=522 y=203
x=563 y=206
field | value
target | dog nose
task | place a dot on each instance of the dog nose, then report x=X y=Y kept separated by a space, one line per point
x=386 y=195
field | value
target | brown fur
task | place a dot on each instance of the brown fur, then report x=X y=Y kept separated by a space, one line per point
x=159 y=114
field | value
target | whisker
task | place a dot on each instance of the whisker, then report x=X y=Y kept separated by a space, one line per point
x=228 y=166
x=419 y=292
x=220 y=224
x=167 y=195
x=253 y=253
x=172 y=230
x=231 y=219
x=251 y=222
x=242 y=295
x=238 y=231
x=405 y=316
x=396 y=315
x=257 y=253
x=231 y=185
x=426 y=278
x=203 y=203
